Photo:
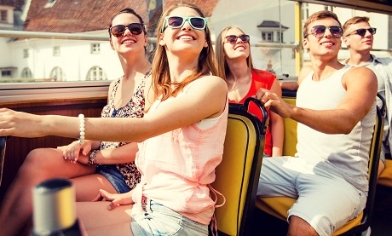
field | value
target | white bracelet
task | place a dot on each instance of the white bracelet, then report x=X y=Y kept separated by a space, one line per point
x=81 y=129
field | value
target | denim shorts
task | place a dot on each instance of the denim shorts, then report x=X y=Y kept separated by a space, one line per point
x=111 y=173
x=160 y=220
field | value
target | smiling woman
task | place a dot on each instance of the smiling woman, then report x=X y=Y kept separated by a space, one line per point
x=65 y=67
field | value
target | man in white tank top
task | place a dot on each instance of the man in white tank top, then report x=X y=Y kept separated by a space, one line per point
x=335 y=116
x=358 y=37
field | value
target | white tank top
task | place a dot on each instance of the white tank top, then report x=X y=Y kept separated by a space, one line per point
x=344 y=155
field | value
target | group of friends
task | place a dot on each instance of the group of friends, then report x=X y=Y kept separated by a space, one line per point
x=152 y=174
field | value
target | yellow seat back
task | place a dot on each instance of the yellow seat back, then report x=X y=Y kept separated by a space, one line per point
x=237 y=175
x=290 y=131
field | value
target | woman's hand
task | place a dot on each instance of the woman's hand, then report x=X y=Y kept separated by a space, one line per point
x=21 y=124
x=116 y=199
x=73 y=150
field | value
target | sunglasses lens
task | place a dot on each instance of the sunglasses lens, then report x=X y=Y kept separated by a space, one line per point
x=372 y=30
x=117 y=30
x=135 y=29
x=244 y=38
x=318 y=30
x=361 y=32
x=197 y=23
x=336 y=31
x=231 y=38
x=175 y=21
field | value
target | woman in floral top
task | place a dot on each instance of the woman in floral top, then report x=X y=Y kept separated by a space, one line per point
x=93 y=165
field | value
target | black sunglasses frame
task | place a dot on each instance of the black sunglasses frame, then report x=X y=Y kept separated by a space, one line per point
x=119 y=30
x=335 y=30
x=362 y=32
x=234 y=38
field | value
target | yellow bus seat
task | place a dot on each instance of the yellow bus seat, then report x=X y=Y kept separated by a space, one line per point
x=237 y=175
x=279 y=206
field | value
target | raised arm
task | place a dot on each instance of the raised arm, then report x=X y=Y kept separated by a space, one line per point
x=361 y=86
x=205 y=98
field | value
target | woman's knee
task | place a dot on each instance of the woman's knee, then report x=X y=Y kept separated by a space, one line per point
x=38 y=159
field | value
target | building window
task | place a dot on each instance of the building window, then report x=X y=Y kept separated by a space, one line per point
x=305 y=11
x=25 y=53
x=3 y=15
x=267 y=36
x=96 y=73
x=279 y=37
x=95 y=48
x=6 y=73
x=57 y=74
x=26 y=73
x=56 y=51
x=50 y=3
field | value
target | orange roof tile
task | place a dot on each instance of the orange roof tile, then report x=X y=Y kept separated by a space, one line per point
x=70 y=16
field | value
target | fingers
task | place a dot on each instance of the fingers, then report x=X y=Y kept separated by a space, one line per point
x=113 y=205
x=103 y=196
x=86 y=150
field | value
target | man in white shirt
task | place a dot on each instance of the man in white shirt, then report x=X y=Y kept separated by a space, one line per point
x=358 y=37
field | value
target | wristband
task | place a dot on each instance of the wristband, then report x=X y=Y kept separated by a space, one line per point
x=91 y=158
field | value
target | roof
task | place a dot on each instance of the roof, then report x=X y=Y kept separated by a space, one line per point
x=70 y=16
x=13 y=3
x=271 y=24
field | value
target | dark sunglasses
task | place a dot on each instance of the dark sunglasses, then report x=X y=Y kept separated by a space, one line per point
x=362 y=32
x=318 y=31
x=175 y=22
x=233 y=38
x=134 y=28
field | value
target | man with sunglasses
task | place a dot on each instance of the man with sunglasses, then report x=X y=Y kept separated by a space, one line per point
x=358 y=37
x=335 y=115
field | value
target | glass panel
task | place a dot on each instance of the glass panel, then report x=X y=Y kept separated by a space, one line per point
x=63 y=50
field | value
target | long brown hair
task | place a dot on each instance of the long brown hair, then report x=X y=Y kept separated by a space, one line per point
x=223 y=68
x=160 y=66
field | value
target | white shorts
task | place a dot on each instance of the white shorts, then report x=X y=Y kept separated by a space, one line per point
x=325 y=201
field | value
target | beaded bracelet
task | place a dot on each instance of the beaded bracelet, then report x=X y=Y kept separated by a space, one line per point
x=91 y=158
x=81 y=129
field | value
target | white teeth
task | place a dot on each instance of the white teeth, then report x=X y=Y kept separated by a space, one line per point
x=128 y=41
x=185 y=37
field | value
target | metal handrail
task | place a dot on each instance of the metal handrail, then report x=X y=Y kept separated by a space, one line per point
x=102 y=36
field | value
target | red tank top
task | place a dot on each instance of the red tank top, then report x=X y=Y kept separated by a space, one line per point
x=260 y=79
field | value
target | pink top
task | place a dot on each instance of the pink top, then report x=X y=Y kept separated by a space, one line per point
x=178 y=166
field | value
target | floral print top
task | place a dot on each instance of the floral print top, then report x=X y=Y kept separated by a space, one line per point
x=134 y=109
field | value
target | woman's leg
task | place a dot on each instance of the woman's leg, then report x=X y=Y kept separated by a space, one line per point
x=98 y=220
x=39 y=165
x=87 y=186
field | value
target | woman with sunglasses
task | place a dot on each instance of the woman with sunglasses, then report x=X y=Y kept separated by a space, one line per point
x=235 y=64
x=93 y=165
x=181 y=137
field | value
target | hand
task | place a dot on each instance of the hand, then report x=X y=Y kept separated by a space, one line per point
x=116 y=199
x=73 y=150
x=273 y=102
x=20 y=124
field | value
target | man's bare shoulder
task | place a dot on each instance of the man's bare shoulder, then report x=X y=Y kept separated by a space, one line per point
x=360 y=76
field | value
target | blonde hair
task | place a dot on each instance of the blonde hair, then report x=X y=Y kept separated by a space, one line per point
x=223 y=68
x=355 y=20
x=160 y=66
